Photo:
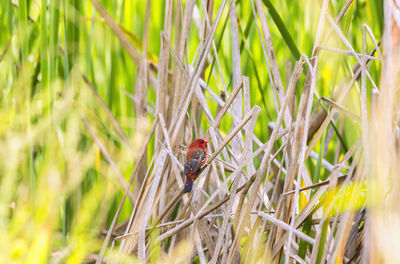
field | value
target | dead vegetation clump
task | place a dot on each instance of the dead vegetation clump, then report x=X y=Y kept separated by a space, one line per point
x=255 y=201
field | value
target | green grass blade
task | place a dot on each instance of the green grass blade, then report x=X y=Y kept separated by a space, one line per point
x=44 y=67
x=282 y=29
x=53 y=39
x=303 y=245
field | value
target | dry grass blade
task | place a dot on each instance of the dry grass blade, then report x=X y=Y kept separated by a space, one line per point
x=3 y=54
x=348 y=53
x=348 y=45
x=114 y=221
x=178 y=83
x=162 y=84
x=224 y=226
x=345 y=111
x=199 y=247
x=236 y=77
x=113 y=165
x=255 y=110
x=271 y=53
x=144 y=218
x=117 y=31
x=107 y=110
x=287 y=227
x=228 y=102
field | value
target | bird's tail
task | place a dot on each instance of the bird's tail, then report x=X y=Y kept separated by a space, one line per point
x=188 y=185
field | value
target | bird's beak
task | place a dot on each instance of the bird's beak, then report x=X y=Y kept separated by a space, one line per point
x=205 y=142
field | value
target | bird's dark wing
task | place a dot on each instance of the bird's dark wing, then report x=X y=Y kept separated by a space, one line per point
x=195 y=159
x=186 y=167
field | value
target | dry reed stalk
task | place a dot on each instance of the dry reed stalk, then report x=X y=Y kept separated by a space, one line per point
x=104 y=151
x=118 y=32
x=142 y=152
x=162 y=84
x=382 y=165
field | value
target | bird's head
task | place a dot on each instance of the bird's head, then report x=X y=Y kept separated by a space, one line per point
x=199 y=143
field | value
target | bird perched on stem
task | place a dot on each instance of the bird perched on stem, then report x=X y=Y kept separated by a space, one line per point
x=196 y=157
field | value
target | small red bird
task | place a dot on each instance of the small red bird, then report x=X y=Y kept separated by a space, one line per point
x=196 y=157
